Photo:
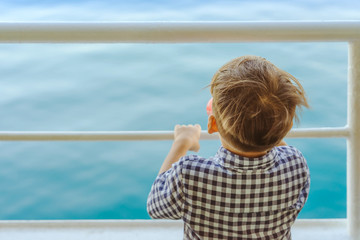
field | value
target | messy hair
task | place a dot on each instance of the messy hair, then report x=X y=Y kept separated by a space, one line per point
x=254 y=103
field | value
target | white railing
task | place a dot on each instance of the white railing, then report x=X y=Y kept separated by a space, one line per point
x=179 y=32
x=173 y=32
x=341 y=132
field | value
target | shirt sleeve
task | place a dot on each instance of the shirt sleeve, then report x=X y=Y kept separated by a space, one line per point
x=166 y=197
x=304 y=193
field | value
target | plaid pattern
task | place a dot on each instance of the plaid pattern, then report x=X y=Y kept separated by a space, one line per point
x=233 y=197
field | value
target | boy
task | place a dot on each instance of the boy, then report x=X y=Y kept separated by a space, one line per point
x=256 y=185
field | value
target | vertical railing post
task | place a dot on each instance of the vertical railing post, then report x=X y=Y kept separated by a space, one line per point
x=353 y=142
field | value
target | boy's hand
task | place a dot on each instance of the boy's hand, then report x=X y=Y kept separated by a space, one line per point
x=188 y=135
x=185 y=138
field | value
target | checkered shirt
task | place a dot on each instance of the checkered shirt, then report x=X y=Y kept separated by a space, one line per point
x=233 y=197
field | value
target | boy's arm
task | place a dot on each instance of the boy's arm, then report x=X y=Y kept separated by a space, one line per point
x=166 y=197
x=185 y=138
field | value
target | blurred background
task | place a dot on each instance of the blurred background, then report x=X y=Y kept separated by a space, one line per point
x=95 y=87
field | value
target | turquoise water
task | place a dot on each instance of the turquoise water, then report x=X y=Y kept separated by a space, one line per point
x=85 y=87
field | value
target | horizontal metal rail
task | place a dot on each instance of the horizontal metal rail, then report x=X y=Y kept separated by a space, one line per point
x=342 y=132
x=177 y=32
x=309 y=229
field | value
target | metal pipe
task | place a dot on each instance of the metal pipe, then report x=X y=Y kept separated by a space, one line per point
x=147 y=135
x=326 y=132
x=353 y=142
x=177 y=32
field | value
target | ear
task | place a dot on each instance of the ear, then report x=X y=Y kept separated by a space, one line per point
x=212 y=127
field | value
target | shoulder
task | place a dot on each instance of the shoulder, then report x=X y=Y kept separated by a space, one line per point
x=288 y=151
x=196 y=163
x=289 y=154
x=188 y=159
x=292 y=158
x=185 y=163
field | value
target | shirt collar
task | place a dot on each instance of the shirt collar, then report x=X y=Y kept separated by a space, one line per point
x=232 y=160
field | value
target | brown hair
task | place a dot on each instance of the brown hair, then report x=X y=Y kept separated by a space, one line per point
x=254 y=103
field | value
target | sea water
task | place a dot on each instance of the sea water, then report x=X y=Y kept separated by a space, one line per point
x=130 y=87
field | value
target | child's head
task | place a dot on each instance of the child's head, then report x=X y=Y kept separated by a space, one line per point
x=254 y=103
